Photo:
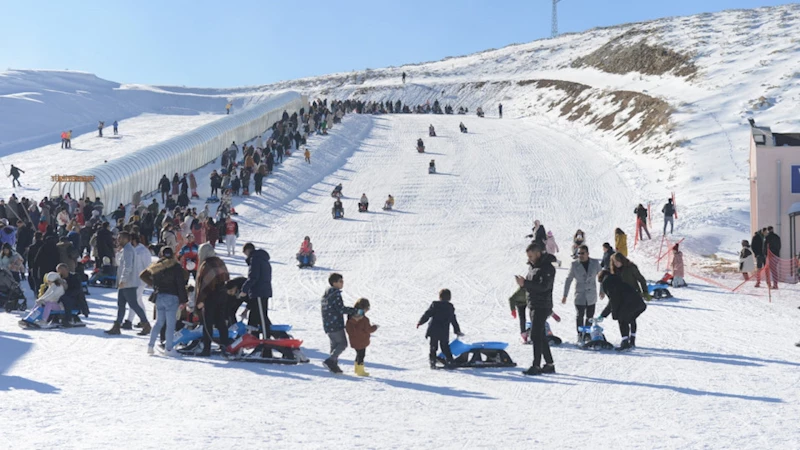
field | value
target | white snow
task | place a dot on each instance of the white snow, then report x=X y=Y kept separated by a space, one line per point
x=713 y=370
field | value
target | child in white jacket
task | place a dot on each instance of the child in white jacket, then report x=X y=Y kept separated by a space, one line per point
x=49 y=300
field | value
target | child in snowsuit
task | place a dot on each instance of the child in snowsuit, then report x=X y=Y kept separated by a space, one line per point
x=358 y=330
x=441 y=315
x=307 y=155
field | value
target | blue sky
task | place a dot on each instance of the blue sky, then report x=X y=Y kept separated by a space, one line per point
x=216 y=43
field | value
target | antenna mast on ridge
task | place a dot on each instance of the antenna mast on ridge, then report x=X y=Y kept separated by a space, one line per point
x=554 y=27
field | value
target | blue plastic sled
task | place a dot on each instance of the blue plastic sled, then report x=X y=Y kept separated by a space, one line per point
x=479 y=354
x=659 y=290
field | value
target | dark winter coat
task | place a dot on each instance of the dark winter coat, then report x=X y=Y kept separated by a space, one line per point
x=48 y=256
x=773 y=244
x=624 y=303
x=166 y=276
x=105 y=244
x=539 y=282
x=668 y=209
x=539 y=236
x=259 y=275
x=757 y=244
x=333 y=310
x=441 y=315
x=633 y=278
x=641 y=213
x=24 y=240
x=519 y=298
x=358 y=330
x=164 y=185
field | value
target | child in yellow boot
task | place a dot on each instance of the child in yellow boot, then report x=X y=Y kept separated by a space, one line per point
x=358 y=329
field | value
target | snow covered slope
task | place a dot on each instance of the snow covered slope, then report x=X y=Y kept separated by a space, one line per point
x=89 y=151
x=713 y=370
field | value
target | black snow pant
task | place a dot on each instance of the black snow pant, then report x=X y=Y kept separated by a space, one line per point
x=214 y=317
x=360 y=354
x=627 y=329
x=254 y=317
x=523 y=319
x=582 y=316
x=442 y=342
x=14 y=181
x=538 y=336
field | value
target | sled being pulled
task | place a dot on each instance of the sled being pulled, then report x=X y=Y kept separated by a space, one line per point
x=479 y=355
x=54 y=321
x=592 y=338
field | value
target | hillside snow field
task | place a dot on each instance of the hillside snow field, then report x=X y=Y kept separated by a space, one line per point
x=712 y=370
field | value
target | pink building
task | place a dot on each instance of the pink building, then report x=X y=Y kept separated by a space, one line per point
x=775 y=191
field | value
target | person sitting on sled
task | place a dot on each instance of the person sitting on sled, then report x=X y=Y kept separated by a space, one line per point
x=432 y=167
x=441 y=315
x=462 y=127
x=364 y=203
x=53 y=290
x=431 y=131
x=389 y=203
x=306 y=250
x=338 y=208
x=420 y=144
x=337 y=191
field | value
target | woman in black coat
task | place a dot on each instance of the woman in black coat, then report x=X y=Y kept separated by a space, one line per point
x=624 y=305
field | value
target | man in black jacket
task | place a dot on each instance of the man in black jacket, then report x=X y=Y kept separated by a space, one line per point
x=757 y=246
x=34 y=279
x=539 y=284
x=258 y=287
x=641 y=221
x=105 y=244
x=539 y=234
x=772 y=243
x=441 y=314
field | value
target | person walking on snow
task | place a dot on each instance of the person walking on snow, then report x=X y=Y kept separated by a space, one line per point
x=14 y=174
x=100 y=126
x=258 y=289
x=441 y=315
x=772 y=249
x=333 y=310
x=621 y=241
x=500 y=109
x=641 y=221
x=552 y=246
x=669 y=216
x=746 y=262
x=228 y=108
x=127 y=284
x=539 y=234
x=231 y=233
x=63 y=139
x=359 y=330
x=404 y=78
x=584 y=271
x=539 y=284
x=116 y=125
x=307 y=155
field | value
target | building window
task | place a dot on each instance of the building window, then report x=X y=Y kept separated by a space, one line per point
x=760 y=139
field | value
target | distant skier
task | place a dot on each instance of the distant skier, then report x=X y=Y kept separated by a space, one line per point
x=500 y=109
x=116 y=125
x=14 y=174
x=100 y=126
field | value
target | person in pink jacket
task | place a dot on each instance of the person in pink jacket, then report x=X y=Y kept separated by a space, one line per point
x=552 y=246
x=677 y=267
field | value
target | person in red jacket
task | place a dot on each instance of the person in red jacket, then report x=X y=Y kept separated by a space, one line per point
x=231 y=233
